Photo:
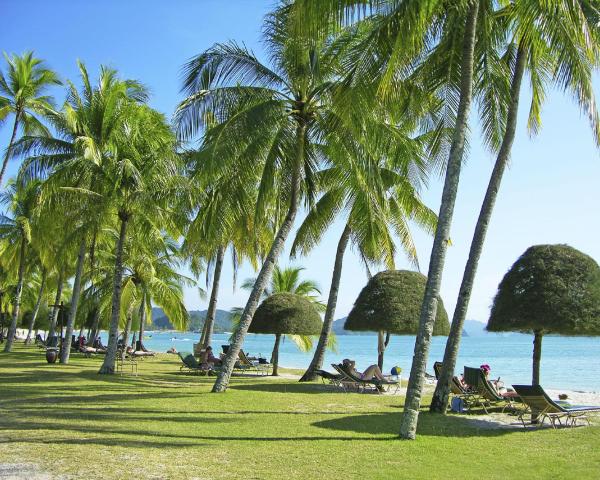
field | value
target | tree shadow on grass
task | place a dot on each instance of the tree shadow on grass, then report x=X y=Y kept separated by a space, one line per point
x=286 y=387
x=388 y=423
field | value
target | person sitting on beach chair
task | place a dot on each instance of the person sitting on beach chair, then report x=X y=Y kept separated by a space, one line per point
x=208 y=360
x=372 y=371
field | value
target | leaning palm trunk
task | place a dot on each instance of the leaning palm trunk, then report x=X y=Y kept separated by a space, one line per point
x=408 y=427
x=439 y=403
x=12 y=329
x=142 y=316
x=55 y=307
x=10 y=145
x=275 y=355
x=212 y=304
x=66 y=344
x=108 y=366
x=94 y=330
x=36 y=309
x=264 y=276
x=126 y=331
x=319 y=356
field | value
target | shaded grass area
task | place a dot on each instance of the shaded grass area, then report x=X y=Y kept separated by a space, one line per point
x=165 y=424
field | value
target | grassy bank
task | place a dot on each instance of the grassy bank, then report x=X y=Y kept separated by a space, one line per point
x=164 y=424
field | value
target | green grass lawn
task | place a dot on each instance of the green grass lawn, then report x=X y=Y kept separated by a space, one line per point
x=165 y=424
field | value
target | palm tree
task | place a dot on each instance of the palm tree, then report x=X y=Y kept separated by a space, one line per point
x=16 y=232
x=554 y=44
x=222 y=220
x=21 y=94
x=373 y=195
x=140 y=182
x=268 y=119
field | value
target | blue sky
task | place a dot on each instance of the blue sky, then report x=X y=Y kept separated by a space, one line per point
x=549 y=195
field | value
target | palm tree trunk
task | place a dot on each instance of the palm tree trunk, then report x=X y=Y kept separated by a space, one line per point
x=36 y=309
x=66 y=344
x=55 y=307
x=439 y=402
x=408 y=427
x=12 y=330
x=319 y=356
x=212 y=304
x=266 y=271
x=142 y=320
x=108 y=366
x=10 y=145
x=126 y=331
x=275 y=355
x=94 y=329
x=383 y=339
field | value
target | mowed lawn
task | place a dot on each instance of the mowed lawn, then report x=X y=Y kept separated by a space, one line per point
x=69 y=421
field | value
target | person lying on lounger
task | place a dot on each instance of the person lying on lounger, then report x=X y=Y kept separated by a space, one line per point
x=372 y=371
x=208 y=360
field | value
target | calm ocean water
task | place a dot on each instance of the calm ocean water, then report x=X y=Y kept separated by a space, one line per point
x=567 y=362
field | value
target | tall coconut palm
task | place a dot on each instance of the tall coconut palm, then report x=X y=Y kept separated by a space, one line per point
x=89 y=128
x=21 y=200
x=222 y=219
x=269 y=117
x=22 y=89
x=372 y=196
x=556 y=44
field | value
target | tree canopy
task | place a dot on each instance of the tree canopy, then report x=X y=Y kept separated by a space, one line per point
x=286 y=313
x=391 y=302
x=550 y=288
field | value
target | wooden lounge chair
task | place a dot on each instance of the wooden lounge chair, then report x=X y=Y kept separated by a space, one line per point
x=191 y=364
x=374 y=384
x=332 y=378
x=244 y=364
x=456 y=387
x=544 y=407
x=486 y=394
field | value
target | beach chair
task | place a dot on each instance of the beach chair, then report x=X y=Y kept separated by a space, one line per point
x=191 y=364
x=555 y=412
x=245 y=364
x=468 y=395
x=332 y=378
x=486 y=394
x=374 y=384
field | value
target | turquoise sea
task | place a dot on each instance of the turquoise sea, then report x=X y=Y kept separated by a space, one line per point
x=567 y=362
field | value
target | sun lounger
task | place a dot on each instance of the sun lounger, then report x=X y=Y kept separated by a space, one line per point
x=486 y=394
x=555 y=412
x=191 y=364
x=332 y=378
x=363 y=385
x=244 y=364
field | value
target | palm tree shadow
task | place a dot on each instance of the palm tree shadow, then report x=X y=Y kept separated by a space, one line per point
x=284 y=387
x=388 y=423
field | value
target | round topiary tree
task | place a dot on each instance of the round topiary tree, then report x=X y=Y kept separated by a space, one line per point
x=391 y=303
x=285 y=314
x=549 y=289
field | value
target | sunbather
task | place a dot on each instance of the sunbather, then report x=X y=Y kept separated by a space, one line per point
x=208 y=360
x=372 y=371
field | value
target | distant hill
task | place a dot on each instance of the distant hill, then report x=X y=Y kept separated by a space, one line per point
x=197 y=317
x=468 y=331
x=338 y=328
x=473 y=328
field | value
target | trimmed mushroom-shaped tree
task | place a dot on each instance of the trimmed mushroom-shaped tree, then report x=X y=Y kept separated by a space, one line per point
x=549 y=289
x=391 y=303
x=285 y=314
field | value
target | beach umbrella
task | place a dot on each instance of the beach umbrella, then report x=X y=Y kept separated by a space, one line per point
x=551 y=289
x=391 y=303
x=285 y=314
